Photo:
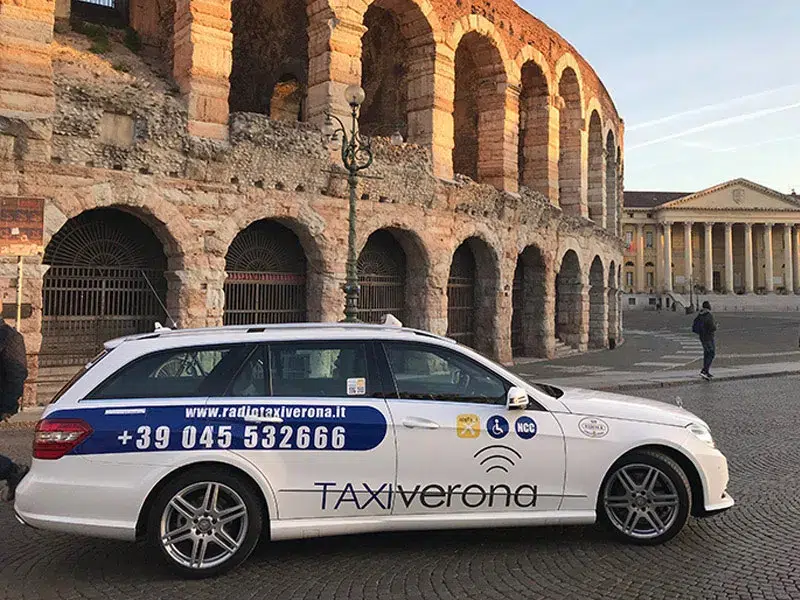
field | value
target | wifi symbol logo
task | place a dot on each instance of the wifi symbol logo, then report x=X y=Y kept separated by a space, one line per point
x=497 y=457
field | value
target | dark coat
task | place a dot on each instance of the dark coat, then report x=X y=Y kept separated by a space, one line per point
x=13 y=369
x=706 y=324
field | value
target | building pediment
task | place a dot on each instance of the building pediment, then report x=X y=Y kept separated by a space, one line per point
x=736 y=195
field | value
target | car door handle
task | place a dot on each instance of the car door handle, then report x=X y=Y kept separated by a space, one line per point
x=257 y=419
x=417 y=423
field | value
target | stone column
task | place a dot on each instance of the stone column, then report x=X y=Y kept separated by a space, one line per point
x=687 y=254
x=770 y=285
x=27 y=98
x=748 y=258
x=708 y=253
x=796 y=252
x=498 y=118
x=667 y=257
x=729 y=258
x=659 y=270
x=202 y=63
x=788 y=256
x=639 y=284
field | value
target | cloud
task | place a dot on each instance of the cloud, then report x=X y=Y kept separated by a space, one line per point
x=717 y=124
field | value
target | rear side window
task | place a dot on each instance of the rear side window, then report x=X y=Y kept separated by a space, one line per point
x=320 y=370
x=176 y=373
x=78 y=376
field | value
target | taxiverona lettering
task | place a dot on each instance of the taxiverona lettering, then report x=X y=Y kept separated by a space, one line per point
x=430 y=496
x=281 y=412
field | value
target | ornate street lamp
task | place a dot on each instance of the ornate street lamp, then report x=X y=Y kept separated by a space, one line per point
x=356 y=156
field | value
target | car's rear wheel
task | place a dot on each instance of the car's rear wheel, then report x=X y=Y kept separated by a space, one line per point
x=205 y=522
x=645 y=498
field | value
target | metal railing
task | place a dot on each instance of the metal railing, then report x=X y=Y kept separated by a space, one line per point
x=264 y=298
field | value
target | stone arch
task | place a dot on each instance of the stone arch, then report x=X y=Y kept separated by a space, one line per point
x=529 y=54
x=598 y=324
x=308 y=228
x=570 y=301
x=269 y=57
x=471 y=293
x=533 y=157
x=479 y=107
x=397 y=49
x=481 y=25
x=529 y=332
x=568 y=61
x=596 y=191
x=612 y=200
x=266 y=272
x=571 y=126
x=393 y=267
x=106 y=278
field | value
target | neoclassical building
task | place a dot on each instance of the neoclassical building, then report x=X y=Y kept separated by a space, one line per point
x=186 y=178
x=735 y=238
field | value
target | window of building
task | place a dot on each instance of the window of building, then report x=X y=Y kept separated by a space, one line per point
x=628 y=237
x=648 y=236
x=651 y=279
x=629 y=279
x=431 y=373
x=631 y=301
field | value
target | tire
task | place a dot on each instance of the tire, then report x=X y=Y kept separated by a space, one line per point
x=645 y=498
x=210 y=534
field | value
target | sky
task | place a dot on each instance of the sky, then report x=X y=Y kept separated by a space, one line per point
x=709 y=89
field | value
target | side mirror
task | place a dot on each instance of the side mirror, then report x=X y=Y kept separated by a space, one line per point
x=517 y=399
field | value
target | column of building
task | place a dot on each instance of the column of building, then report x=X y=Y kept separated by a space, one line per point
x=667 y=255
x=640 y=283
x=729 y=258
x=709 y=257
x=788 y=269
x=687 y=255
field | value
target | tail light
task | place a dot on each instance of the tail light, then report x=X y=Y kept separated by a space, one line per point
x=56 y=437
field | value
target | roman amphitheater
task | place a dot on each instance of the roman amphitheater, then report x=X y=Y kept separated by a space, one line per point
x=184 y=165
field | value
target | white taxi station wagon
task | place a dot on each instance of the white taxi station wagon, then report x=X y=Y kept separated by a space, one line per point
x=205 y=441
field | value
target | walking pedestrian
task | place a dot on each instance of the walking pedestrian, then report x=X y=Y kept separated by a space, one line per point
x=705 y=327
x=13 y=373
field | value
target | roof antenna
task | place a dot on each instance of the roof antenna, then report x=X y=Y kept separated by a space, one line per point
x=161 y=304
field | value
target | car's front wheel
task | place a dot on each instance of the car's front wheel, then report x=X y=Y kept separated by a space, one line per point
x=205 y=522
x=645 y=498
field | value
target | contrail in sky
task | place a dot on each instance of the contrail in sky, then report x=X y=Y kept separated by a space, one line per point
x=718 y=123
x=708 y=107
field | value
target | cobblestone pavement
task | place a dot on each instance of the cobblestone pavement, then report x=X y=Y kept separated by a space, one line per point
x=749 y=552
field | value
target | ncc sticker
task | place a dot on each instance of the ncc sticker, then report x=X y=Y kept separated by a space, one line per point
x=468 y=426
x=593 y=427
x=356 y=386
x=525 y=428
x=497 y=427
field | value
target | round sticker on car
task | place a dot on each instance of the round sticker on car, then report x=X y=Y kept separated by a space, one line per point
x=593 y=427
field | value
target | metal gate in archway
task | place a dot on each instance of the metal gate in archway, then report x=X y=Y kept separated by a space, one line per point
x=518 y=310
x=382 y=277
x=105 y=280
x=266 y=281
x=461 y=297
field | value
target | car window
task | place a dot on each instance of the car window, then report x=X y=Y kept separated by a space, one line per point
x=320 y=370
x=251 y=380
x=433 y=373
x=176 y=373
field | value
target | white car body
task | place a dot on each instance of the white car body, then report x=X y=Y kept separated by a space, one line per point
x=395 y=464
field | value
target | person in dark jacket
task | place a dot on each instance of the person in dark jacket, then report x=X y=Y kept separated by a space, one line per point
x=13 y=373
x=705 y=327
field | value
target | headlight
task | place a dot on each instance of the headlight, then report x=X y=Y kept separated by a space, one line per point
x=702 y=433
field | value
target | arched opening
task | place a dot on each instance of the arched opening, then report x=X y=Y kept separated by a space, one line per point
x=266 y=276
x=382 y=276
x=394 y=52
x=611 y=184
x=287 y=99
x=529 y=293
x=105 y=280
x=534 y=129
x=270 y=57
x=613 y=305
x=480 y=74
x=630 y=279
x=650 y=276
x=598 y=326
x=569 y=301
x=471 y=290
x=596 y=192
x=569 y=161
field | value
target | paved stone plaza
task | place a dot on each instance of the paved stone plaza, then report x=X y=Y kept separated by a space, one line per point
x=749 y=552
